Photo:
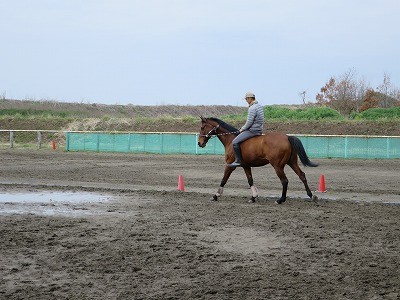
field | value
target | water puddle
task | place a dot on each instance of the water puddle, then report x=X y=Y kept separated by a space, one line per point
x=50 y=203
x=392 y=203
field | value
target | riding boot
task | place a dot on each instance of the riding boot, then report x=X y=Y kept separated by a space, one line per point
x=238 y=156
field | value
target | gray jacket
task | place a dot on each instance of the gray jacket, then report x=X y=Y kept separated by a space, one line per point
x=255 y=118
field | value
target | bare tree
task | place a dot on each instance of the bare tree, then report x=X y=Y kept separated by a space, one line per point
x=384 y=89
x=344 y=94
x=390 y=94
x=303 y=96
x=362 y=90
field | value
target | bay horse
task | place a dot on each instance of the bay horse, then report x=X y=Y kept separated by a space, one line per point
x=272 y=148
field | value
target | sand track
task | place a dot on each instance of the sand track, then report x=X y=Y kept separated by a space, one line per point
x=149 y=241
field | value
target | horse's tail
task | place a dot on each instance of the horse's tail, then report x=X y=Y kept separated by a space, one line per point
x=298 y=146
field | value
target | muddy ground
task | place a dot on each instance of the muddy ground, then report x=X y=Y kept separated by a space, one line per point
x=147 y=240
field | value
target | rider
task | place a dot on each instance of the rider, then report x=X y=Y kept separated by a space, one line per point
x=254 y=126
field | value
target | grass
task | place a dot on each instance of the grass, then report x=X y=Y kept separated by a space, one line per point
x=374 y=114
x=315 y=113
x=26 y=113
x=78 y=116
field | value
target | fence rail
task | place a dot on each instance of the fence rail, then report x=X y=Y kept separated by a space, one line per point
x=328 y=146
x=164 y=143
x=32 y=139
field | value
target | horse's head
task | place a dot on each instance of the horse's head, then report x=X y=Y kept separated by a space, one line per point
x=208 y=129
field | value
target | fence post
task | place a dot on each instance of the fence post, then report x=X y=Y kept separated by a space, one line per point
x=39 y=138
x=11 y=139
x=161 y=143
x=67 y=141
x=97 y=142
x=195 y=142
x=387 y=147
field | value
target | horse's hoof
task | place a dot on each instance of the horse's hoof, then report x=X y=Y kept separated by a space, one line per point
x=280 y=201
x=214 y=198
x=252 y=200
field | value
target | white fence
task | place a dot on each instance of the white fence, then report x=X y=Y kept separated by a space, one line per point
x=39 y=139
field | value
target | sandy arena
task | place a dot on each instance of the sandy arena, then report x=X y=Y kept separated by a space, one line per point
x=137 y=237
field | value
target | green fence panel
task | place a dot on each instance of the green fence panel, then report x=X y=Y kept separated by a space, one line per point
x=136 y=142
x=357 y=148
x=188 y=144
x=152 y=143
x=76 y=142
x=309 y=143
x=336 y=146
x=106 y=142
x=174 y=143
x=393 y=148
x=377 y=148
x=214 y=146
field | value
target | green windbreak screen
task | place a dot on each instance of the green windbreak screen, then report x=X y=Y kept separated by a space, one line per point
x=165 y=143
x=175 y=143
x=351 y=146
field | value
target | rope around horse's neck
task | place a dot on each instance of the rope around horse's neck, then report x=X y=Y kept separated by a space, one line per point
x=219 y=134
x=226 y=133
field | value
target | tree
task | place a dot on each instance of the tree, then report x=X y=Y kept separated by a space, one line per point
x=327 y=94
x=303 y=96
x=390 y=93
x=371 y=100
x=346 y=94
x=343 y=94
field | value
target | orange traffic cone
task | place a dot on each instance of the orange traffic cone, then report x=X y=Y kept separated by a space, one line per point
x=322 y=188
x=53 y=145
x=181 y=183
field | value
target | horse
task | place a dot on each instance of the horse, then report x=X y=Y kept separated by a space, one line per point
x=273 y=148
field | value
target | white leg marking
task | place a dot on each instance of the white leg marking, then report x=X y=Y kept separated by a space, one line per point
x=254 y=191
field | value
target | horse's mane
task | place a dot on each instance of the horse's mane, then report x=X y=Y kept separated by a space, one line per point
x=225 y=125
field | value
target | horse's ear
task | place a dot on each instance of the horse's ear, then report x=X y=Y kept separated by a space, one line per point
x=202 y=118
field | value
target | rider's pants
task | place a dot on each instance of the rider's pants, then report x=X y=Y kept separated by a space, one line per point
x=245 y=135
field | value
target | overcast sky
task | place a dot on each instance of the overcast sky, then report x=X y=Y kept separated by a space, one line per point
x=154 y=52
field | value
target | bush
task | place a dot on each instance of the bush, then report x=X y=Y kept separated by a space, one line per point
x=27 y=113
x=379 y=114
x=312 y=113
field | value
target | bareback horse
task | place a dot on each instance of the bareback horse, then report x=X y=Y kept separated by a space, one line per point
x=272 y=148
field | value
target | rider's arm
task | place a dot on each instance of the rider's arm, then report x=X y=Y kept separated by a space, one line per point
x=250 y=119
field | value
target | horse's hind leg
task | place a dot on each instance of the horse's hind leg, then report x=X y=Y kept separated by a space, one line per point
x=254 y=191
x=295 y=166
x=282 y=176
x=227 y=174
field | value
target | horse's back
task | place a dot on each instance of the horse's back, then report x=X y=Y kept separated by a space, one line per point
x=272 y=146
x=272 y=138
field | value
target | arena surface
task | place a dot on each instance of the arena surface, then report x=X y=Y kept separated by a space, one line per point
x=137 y=237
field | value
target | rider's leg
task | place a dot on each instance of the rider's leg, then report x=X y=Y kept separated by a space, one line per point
x=238 y=156
x=236 y=147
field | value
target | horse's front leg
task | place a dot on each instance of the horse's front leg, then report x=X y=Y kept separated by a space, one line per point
x=227 y=174
x=254 y=190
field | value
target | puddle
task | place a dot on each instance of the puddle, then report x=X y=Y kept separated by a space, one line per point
x=52 y=203
x=392 y=203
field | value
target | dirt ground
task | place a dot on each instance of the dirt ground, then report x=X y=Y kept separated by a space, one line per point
x=147 y=240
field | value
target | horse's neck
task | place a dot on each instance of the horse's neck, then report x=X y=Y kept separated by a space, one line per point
x=227 y=139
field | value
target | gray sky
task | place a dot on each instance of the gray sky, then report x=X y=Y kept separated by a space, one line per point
x=192 y=52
